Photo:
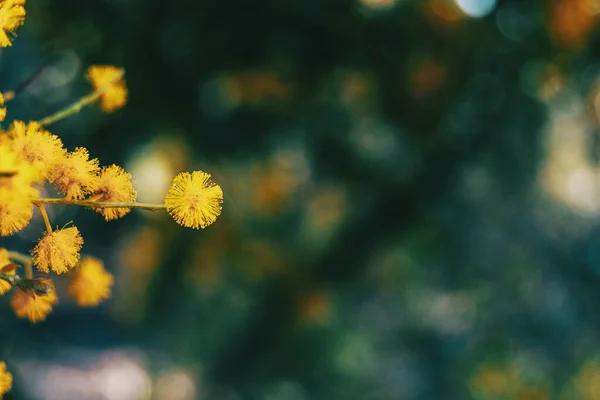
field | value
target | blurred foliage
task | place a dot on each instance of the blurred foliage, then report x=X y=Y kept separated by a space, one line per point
x=411 y=194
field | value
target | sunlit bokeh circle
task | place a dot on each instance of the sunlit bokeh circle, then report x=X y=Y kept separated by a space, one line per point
x=476 y=8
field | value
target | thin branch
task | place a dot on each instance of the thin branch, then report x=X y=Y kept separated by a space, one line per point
x=11 y=94
x=23 y=259
x=42 y=209
x=84 y=101
x=101 y=204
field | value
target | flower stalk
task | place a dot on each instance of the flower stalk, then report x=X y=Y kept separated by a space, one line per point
x=101 y=204
x=84 y=101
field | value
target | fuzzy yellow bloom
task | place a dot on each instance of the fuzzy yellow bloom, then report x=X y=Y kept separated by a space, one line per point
x=12 y=15
x=16 y=192
x=116 y=95
x=5 y=379
x=90 y=283
x=36 y=146
x=193 y=200
x=2 y=108
x=75 y=175
x=5 y=260
x=58 y=250
x=33 y=306
x=115 y=186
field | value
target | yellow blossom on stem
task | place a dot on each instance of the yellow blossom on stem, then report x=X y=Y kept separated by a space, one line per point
x=115 y=186
x=116 y=95
x=75 y=175
x=90 y=282
x=193 y=200
x=58 y=250
x=5 y=260
x=5 y=379
x=12 y=15
x=36 y=146
x=33 y=306
x=16 y=192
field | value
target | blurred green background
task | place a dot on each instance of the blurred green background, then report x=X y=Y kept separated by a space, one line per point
x=412 y=200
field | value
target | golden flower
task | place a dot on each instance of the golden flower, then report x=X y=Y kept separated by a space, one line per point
x=2 y=108
x=115 y=186
x=16 y=192
x=58 y=250
x=90 y=283
x=5 y=260
x=114 y=96
x=33 y=306
x=15 y=213
x=37 y=146
x=75 y=174
x=5 y=379
x=12 y=15
x=193 y=200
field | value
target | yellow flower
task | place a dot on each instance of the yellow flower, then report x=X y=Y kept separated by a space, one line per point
x=36 y=146
x=5 y=379
x=90 y=283
x=116 y=95
x=75 y=174
x=33 y=306
x=16 y=192
x=2 y=108
x=12 y=15
x=193 y=200
x=5 y=260
x=58 y=250
x=115 y=186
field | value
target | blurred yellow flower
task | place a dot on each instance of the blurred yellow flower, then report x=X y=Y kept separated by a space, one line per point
x=115 y=186
x=587 y=381
x=5 y=260
x=75 y=175
x=32 y=306
x=2 y=108
x=16 y=192
x=492 y=382
x=533 y=393
x=58 y=250
x=193 y=200
x=116 y=95
x=5 y=379
x=36 y=146
x=90 y=283
x=12 y=15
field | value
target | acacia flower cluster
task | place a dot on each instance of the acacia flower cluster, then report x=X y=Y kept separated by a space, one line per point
x=32 y=157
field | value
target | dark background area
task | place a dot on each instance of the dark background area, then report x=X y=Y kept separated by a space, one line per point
x=412 y=197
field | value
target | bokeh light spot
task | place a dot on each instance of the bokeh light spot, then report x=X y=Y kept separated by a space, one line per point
x=476 y=8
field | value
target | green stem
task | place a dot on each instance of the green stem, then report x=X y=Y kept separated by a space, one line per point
x=12 y=279
x=84 y=101
x=42 y=209
x=23 y=259
x=101 y=204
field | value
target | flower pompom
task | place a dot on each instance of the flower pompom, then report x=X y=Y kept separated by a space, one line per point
x=12 y=15
x=2 y=108
x=114 y=96
x=90 y=283
x=5 y=379
x=193 y=200
x=36 y=146
x=58 y=250
x=5 y=261
x=115 y=185
x=16 y=191
x=33 y=306
x=75 y=175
